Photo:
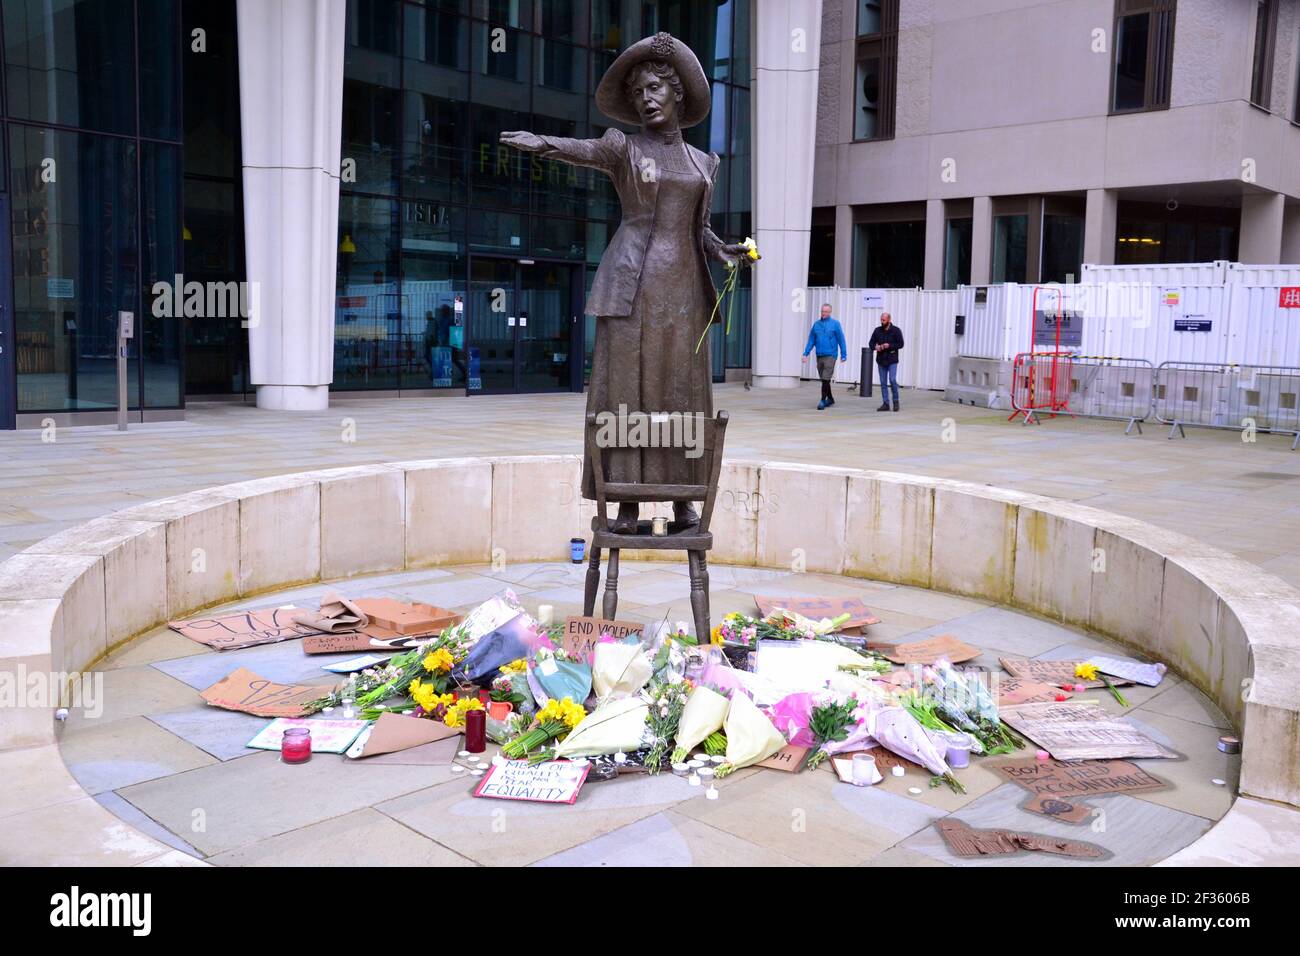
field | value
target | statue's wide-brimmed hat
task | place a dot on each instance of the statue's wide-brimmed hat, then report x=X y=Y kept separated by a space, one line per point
x=611 y=94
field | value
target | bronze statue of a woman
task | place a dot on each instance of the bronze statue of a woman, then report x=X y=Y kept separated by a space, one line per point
x=653 y=295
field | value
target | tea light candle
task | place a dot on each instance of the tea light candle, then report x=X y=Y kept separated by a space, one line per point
x=349 y=710
x=720 y=758
x=693 y=780
x=898 y=771
x=681 y=769
x=659 y=527
x=706 y=773
x=295 y=745
x=711 y=793
x=620 y=758
x=545 y=615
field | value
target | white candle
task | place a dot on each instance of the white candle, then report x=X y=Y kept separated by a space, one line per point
x=545 y=615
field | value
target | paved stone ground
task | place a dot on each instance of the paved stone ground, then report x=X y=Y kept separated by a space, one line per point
x=1210 y=485
x=166 y=763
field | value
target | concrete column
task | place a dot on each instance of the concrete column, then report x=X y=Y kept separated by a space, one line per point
x=844 y=246
x=1099 y=224
x=291 y=112
x=981 y=240
x=1261 y=228
x=935 y=231
x=1291 y=235
x=786 y=45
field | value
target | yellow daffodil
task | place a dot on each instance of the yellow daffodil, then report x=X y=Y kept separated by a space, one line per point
x=716 y=634
x=518 y=666
x=456 y=712
x=1086 y=671
x=439 y=661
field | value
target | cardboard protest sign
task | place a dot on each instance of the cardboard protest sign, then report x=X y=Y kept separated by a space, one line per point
x=327 y=736
x=1056 y=788
x=1057 y=673
x=789 y=758
x=967 y=841
x=1081 y=731
x=245 y=691
x=232 y=632
x=930 y=650
x=582 y=633
x=819 y=607
x=552 y=781
x=404 y=619
x=1017 y=690
x=394 y=732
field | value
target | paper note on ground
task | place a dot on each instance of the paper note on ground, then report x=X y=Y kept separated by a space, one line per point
x=327 y=736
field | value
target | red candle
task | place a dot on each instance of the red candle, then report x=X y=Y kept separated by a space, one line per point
x=485 y=697
x=476 y=731
x=295 y=745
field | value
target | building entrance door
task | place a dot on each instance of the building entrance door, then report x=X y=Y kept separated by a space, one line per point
x=526 y=333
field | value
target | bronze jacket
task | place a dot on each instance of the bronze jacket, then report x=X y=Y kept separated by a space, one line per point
x=619 y=156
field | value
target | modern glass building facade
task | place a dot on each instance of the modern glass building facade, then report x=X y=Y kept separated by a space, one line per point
x=92 y=133
x=462 y=266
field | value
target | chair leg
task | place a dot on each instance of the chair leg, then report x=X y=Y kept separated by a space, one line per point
x=593 y=583
x=700 y=595
x=611 y=585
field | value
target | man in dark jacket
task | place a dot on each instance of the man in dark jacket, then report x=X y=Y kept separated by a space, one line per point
x=887 y=340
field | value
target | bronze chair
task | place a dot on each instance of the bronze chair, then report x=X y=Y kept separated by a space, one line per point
x=695 y=538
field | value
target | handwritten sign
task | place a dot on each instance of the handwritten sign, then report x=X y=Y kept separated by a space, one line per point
x=1057 y=788
x=245 y=629
x=247 y=692
x=327 y=736
x=789 y=758
x=552 y=781
x=964 y=840
x=1056 y=673
x=582 y=633
x=1137 y=672
x=1081 y=731
x=1017 y=690
x=930 y=650
x=820 y=607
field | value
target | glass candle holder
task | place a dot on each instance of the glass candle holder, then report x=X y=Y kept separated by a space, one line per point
x=864 y=770
x=476 y=731
x=295 y=745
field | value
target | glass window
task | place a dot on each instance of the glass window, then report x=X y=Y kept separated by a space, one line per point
x=370 y=138
x=160 y=64
x=75 y=266
x=956 y=256
x=1131 y=61
x=433 y=305
x=434 y=38
x=1062 y=248
x=1010 y=248
x=499 y=175
x=561 y=20
x=868 y=17
x=1144 y=48
x=866 y=110
x=159 y=330
x=1261 y=71
x=501 y=53
x=889 y=255
x=436 y=154
x=72 y=62
x=368 y=308
x=821 y=255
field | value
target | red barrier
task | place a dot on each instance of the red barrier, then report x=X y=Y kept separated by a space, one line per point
x=1040 y=382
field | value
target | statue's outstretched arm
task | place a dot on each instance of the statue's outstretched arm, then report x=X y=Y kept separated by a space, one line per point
x=603 y=153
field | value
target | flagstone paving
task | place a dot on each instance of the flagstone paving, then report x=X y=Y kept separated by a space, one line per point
x=172 y=767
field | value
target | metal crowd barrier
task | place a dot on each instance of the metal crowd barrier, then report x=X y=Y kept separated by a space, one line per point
x=1223 y=395
x=1112 y=388
x=1085 y=386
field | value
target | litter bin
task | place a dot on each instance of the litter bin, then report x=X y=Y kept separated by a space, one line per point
x=864 y=389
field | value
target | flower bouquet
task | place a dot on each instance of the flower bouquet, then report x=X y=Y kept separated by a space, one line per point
x=667 y=701
x=830 y=722
x=751 y=737
x=704 y=713
x=428 y=666
x=614 y=726
x=554 y=721
x=619 y=669
x=891 y=726
x=966 y=704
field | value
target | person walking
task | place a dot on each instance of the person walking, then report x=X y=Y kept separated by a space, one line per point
x=827 y=338
x=887 y=339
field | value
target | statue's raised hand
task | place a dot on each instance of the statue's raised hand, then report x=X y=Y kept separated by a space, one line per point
x=523 y=140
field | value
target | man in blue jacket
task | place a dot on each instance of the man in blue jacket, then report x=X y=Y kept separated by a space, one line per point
x=827 y=338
